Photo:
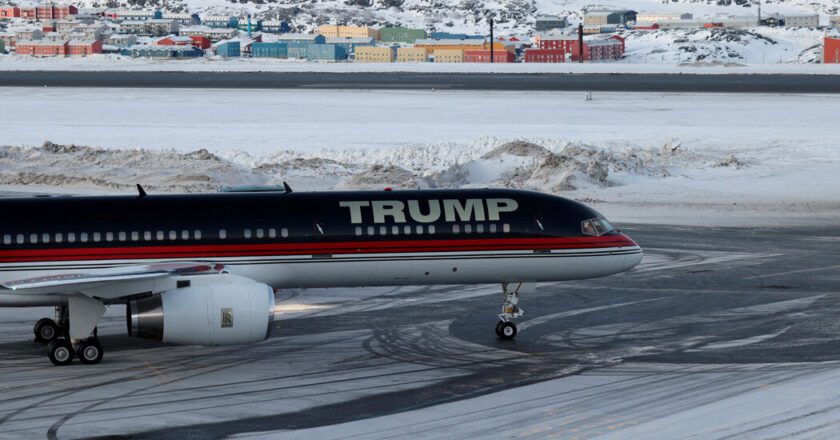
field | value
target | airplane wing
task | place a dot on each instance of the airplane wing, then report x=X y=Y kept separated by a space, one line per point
x=112 y=282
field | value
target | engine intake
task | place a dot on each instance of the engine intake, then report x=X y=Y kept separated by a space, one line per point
x=214 y=310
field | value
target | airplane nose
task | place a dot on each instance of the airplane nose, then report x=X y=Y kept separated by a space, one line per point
x=631 y=260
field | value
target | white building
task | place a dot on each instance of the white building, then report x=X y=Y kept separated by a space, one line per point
x=802 y=20
x=655 y=18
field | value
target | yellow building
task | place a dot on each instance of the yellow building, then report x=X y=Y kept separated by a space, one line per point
x=332 y=31
x=369 y=54
x=432 y=45
x=449 y=56
x=412 y=55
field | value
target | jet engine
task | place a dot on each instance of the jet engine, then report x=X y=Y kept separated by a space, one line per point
x=228 y=310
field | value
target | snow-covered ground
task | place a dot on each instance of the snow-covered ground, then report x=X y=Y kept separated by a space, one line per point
x=649 y=157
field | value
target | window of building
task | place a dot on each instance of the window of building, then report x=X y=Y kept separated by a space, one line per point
x=222 y=234
x=247 y=233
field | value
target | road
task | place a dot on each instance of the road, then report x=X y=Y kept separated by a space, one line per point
x=711 y=315
x=455 y=81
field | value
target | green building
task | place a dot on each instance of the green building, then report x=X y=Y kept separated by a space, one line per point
x=401 y=35
x=2 y=47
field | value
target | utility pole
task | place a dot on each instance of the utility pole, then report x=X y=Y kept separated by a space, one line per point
x=491 y=39
x=580 y=42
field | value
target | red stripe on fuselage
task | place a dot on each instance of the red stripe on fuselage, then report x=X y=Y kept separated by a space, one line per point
x=281 y=249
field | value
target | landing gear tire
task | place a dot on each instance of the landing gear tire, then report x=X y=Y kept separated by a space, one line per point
x=90 y=352
x=506 y=330
x=499 y=328
x=46 y=330
x=60 y=352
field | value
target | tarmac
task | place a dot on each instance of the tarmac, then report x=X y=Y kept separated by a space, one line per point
x=711 y=316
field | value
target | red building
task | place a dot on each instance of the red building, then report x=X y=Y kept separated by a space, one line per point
x=175 y=41
x=47 y=26
x=47 y=12
x=619 y=38
x=9 y=12
x=29 y=12
x=646 y=28
x=41 y=48
x=563 y=43
x=831 y=50
x=545 y=56
x=83 y=48
x=200 y=42
x=483 y=56
x=595 y=50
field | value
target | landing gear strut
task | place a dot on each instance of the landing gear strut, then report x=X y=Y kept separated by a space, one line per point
x=60 y=348
x=506 y=329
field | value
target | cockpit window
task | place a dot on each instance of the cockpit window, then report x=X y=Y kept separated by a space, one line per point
x=596 y=227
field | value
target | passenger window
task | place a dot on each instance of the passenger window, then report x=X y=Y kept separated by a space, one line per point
x=97 y=237
x=456 y=229
x=284 y=232
x=222 y=234
x=71 y=237
x=59 y=237
x=19 y=238
x=272 y=233
x=160 y=235
x=395 y=230
x=109 y=236
x=383 y=230
x=419 y=229
x=122 y=236
x=197 y=234
x=135 y=236
x=431 y=229
x=260 y=233
x=479 y=229
x=506 y=228
x=173 y=235
x=83 y=237
x=371 y=230
x=247 y=233
x=467 y=229
x=7 y=239
x=358 y=231
x=33 y=238
x=45 y=238
x=492 y=228
x=185 y=235
x=147 y=235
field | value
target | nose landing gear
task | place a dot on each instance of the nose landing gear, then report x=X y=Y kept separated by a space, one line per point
x=506 y=329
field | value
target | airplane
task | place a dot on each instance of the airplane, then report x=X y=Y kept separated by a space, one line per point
x=202 y=269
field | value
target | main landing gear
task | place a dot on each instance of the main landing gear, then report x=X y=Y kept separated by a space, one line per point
x=506 y=329
x=60 y=348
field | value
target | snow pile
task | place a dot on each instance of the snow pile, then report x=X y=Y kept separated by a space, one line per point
x=557 y=167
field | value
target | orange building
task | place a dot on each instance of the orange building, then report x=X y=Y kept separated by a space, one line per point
x=432 y=45
x=831 y=50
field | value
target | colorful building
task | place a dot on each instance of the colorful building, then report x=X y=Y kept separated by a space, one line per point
x=450 y=36
x=449 y=55
x=83 y=48
x=401 y=35
x=220 y=21
x=9 y=12
x=351 y=43
x=483 y=56
x=41 y=48
x=269 y=50
x=368 y=54
x=228 y=49
x=275 y=26
x=134 y=15
x=545 y=56
x=347 y=31
x=298 y=43
x=831 y=50
x=2 y=46
x=325 y=52
x=412 y=55
x=164 y=52
x=595 y=50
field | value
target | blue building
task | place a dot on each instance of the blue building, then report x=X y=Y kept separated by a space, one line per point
x=275 y=26
x=350 y=43
x=269 y=50
x=325 y=52
x=220 y=21
x=298 y=44
x=167 y=52
x=228 y=49
x=249 y=25
x=449 y=36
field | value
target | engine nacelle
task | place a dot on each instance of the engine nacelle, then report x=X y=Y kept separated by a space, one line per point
x=213 y=310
